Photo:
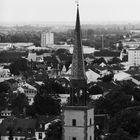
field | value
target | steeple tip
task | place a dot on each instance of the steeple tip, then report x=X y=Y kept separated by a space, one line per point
x=77 y=2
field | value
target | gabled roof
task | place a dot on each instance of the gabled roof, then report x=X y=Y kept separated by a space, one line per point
x=44 y=120
x=97 y=68
x=92 y=76
x=28 y=86
x=121 y=76
x=136 y=77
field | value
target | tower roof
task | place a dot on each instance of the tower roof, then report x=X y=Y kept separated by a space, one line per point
x=78 y=67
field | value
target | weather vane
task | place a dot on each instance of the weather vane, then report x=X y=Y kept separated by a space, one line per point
x=77 y=2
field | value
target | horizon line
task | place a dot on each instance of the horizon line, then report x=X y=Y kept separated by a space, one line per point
x=69 y=22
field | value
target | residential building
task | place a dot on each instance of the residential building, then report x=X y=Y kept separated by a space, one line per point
x=130 y=44
x=43 y=123
x=6 y=113
x=4 y=72
x=32 y=56
x=26 y=128
x=29 y=91
x=134 y=56
x=47 y=39
x=5 y=46
x=20 y=128
x=22 y=46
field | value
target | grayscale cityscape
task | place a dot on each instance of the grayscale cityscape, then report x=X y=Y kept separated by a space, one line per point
x=69 y=70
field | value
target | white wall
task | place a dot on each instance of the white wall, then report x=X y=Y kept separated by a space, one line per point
x=37 y=135
x=79 y=131
x=134 y=57
x=90 y=129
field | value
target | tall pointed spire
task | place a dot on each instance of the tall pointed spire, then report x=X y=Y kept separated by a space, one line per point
x=78 y=68
x=78 y=76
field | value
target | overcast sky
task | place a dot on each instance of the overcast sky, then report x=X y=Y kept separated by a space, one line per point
x=64 y=10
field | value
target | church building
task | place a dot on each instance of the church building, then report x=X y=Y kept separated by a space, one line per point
x=78 y=117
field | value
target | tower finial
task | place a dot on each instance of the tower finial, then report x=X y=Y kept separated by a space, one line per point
x=77 y=2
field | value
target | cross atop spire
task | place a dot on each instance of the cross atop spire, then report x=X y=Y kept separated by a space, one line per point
x=77 y=2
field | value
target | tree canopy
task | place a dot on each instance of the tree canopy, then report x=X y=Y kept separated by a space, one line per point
x=54 y=131
x=46 y=105
x=113 y=102
x=19 y=66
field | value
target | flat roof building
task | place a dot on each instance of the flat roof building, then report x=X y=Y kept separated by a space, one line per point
x=47 y=39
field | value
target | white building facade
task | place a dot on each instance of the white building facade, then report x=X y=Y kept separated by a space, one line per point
x=29 y=91
x=78 y=123
x=47 y=39
x=134 y=56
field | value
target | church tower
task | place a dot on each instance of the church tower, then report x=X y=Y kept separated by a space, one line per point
x=78 y=117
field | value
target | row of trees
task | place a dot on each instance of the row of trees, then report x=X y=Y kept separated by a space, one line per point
x=33 y=37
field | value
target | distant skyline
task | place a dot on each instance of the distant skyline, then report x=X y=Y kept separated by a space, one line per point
x=42 y=11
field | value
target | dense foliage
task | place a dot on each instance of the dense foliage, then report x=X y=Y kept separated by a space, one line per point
x=54 y=131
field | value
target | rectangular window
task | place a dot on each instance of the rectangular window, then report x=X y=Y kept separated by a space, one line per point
x=90 y=121
x=73 y=122
x=40 y=136
x=90 y=138
x=73 y=138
